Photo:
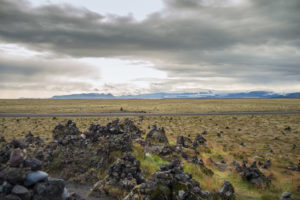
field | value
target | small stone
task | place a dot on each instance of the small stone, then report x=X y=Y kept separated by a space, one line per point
x=21 y=192
x=17 y=157
x=35 y=177
x=33 y=163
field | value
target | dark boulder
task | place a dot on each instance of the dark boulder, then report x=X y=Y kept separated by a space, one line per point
x=13 y=175
x=52 y=189
x=33 y=163
x=21 y=192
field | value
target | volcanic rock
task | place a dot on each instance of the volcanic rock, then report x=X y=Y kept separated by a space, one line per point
x=21 y=192
x=170 y=182
x=33 y=163
x=253 y=175
x=61 y=131
x=227 y=191
x=51 y=189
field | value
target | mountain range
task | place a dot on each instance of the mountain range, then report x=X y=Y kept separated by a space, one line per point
x=199 y=95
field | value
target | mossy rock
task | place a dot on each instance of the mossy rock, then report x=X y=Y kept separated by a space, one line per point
x=177 y=187
x=160 y=192
x=115 y=191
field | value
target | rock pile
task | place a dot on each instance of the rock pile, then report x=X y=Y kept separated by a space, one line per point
x=62 y=131
x=157 y=135
x=96 y=131
x=184 y=142
x=171 y=182
x=21 y=179
x=124 y=174
x=199 y=140
x=253 y=175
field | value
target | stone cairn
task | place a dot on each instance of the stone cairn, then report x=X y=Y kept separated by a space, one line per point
x=21 y=178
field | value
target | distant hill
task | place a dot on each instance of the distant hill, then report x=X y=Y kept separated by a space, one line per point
x=165 y=95
x=85 y=96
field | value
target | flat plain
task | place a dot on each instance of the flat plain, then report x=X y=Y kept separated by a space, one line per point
x=230 y=138
x=149 y=105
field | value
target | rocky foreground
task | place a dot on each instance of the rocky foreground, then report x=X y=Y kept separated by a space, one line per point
x=82 y=157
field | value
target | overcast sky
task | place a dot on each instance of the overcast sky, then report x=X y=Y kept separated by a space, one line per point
x=54 y=47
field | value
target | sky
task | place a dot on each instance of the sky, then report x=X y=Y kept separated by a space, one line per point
x=57 y=47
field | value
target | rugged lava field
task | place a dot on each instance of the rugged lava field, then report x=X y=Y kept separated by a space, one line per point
x=131 y=159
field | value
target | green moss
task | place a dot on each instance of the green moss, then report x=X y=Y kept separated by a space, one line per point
x=195 y=170
x=161 y=192
x=151 y=163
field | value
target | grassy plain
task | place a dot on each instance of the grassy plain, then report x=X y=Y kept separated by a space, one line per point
x=152 y=105
x=259 y=133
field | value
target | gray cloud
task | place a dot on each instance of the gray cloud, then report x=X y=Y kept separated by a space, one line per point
x=38 y=74
x=250 y=43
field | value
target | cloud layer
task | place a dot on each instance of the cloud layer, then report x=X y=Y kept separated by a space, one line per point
x=246 y=44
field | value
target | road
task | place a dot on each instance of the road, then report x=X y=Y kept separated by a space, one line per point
x=129 y=114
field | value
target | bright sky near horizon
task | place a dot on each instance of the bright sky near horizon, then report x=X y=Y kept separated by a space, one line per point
x=55 y=47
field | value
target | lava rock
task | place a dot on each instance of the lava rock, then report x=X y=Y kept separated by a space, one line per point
x=170 y=182
x=253 y=175
x=21 y=192
x=13 y=175
x=33 y=163
x=52 y=189
x=227 y=191
x=70 y=128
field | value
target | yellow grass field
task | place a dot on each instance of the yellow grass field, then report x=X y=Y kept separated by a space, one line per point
x=152 y=105
x=259 y=133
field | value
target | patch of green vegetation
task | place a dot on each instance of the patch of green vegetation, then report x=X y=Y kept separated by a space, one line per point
x=193 y=169
x=149 y=163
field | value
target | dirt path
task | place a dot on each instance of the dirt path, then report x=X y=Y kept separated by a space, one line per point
x=128 y=114
x=83 y=190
